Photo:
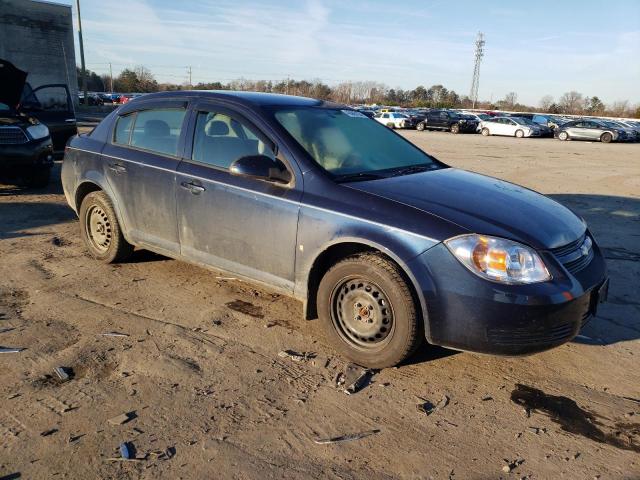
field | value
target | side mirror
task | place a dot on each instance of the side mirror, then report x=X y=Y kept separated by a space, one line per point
x=261 y=167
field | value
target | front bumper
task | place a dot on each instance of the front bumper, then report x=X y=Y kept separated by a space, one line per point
x=16 y=158
x=466 y=312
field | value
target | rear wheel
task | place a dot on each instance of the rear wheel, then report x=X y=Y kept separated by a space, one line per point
x=368 y=311
x=455 y=128
x=606 y=137
x=485 y=132
x=420 y=126
x=101 y=231
x=519 y=134
x=563 y=136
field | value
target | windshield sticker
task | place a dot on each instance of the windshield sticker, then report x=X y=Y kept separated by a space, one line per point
x=354 y=113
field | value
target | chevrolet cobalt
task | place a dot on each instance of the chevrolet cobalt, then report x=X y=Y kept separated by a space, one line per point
x=382 y=242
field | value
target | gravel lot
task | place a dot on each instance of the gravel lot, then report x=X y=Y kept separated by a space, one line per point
x=211 y=398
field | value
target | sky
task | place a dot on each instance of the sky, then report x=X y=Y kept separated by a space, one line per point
x=534 y=48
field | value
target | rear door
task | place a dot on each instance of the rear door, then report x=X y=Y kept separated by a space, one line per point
x=140 y=162
x=52 y=105
x=239 y=224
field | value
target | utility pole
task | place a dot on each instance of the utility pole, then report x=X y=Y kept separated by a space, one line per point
x=84 y=70
x=190 y=84
x=111 y=77
x=475 y=83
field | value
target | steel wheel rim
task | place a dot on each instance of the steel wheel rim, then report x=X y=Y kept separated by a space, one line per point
x=98 y=228
x=362 y=313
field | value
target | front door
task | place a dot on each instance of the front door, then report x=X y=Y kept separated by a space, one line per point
x=140 y=162
x=238 y=224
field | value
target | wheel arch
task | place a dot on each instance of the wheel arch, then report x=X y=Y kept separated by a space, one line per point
x=339 y=250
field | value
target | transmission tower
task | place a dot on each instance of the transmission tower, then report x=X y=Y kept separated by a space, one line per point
x=475 y=83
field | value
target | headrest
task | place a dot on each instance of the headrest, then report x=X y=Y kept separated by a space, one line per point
x=157 y=128
x=216 y=127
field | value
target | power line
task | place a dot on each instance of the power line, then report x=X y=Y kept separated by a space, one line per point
x=475 y=83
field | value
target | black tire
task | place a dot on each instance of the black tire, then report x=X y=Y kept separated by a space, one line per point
x=100 y=230
x=391 y=125
x=38 y=178
x=455 y=128
x=606 y=137
x=420 y=126
x=381 y=328
x=485 y=132
x=519 y=134
x=563 y=136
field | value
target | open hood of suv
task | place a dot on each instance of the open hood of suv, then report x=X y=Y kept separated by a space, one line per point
x=12 y=82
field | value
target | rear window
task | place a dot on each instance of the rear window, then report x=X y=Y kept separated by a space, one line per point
x=123 y=129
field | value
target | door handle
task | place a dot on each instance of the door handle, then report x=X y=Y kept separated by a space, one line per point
x=70 y=120
x=193 y=188
x=117 y=168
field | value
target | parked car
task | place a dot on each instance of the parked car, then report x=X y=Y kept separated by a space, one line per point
x=447 y=120
x=550 y=121
x=93 y=99
x=589 y=129
x=26 y=149
x=382 y=242
x=634 y=126
x=510 y=126
x=631 y=134
x=394 y=120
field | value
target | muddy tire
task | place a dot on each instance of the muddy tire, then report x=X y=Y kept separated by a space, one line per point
x=519 y=133
x=606 y=137
x=100 y=230
x=564 y=136
x=368 y=311
x=455 y=128
x=38 y=178
x=420 y=126
x=485 y=132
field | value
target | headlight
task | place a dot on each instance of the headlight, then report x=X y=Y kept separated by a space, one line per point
x=38 y=131
x=498 y=259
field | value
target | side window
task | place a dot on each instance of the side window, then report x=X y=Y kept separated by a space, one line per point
x=158 y=130
x=444 y=115
x=123 y=129
x=220 y=140
x=386 y=115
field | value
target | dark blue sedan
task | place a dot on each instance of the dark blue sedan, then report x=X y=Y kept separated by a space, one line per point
x=383 y=243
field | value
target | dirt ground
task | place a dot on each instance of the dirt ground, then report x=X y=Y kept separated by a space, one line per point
x=208 y=396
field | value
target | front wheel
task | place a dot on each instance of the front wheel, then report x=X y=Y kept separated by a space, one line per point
x=519 y=134
x=455 y=128
x=368 y=312
x=420 y=126
x=485 y=131
x=101 y=231
x=563 y=136
x=391 y=125
x=606 y=137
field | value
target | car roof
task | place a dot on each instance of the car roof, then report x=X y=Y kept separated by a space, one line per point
x=246 y=98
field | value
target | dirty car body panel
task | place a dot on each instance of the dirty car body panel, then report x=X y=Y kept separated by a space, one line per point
x=275 y=233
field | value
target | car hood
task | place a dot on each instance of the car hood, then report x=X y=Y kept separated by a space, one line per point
x=483 y=205
x=12 y=82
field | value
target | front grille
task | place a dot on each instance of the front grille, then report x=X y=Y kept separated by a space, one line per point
x=572 y=255
x=12 y=136
x=526 y=336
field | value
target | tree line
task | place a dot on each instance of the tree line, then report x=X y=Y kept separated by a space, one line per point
x=141 y=80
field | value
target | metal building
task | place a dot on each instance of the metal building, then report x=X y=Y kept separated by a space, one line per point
x=37 y=37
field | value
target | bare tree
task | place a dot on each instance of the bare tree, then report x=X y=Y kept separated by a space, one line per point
x=572 y=102
x=510 y=100
x=545 y=103
x=619 y=108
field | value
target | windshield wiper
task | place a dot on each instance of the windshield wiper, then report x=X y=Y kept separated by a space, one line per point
x=357 y=177
x=413 y=169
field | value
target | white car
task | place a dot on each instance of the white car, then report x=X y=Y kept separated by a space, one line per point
x=510 y=126
x=394 y=120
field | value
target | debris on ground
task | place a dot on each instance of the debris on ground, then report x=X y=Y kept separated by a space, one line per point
x=295 y=356
x=114 y=334
x=63 y=373
x=428 y=408
x=486 y=398
x=353 y=378
x=122 y=419
x=5 y=330
x=125 y=451
x=511 y=464
x=46 y=433
x=11 y=349
x=346 y=438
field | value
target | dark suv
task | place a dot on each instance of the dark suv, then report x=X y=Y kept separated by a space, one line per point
x=454 y=122
x=384 y=243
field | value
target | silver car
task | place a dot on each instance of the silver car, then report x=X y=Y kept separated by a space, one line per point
x=590 y=130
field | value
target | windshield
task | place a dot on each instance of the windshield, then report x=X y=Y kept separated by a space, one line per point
x=345 y=142
x=524 y=121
